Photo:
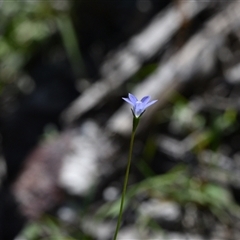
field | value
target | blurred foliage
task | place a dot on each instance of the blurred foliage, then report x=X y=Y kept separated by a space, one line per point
x=25 y=27
x=146 y=70
x=51 y=228
x=179 y=186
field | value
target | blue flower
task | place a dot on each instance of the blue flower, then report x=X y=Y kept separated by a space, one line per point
x=139 y=107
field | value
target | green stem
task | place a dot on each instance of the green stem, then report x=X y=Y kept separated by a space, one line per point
x=135 y=124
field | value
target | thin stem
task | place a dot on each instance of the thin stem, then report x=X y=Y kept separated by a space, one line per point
x=126 y=178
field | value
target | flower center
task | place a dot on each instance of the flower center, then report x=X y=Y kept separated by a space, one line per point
x=138 y=108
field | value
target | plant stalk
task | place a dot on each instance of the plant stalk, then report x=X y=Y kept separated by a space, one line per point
x=135 y=124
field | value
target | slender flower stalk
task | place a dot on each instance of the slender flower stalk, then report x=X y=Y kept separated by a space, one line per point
x=138 y=109
x=135 y=122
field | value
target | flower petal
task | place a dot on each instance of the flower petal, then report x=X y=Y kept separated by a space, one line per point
x=132 y=98
x=145 y=99
x=150 y=103
x=128 y=101
x=138 y=107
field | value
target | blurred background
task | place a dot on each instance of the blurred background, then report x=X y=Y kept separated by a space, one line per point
x=65 y=131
